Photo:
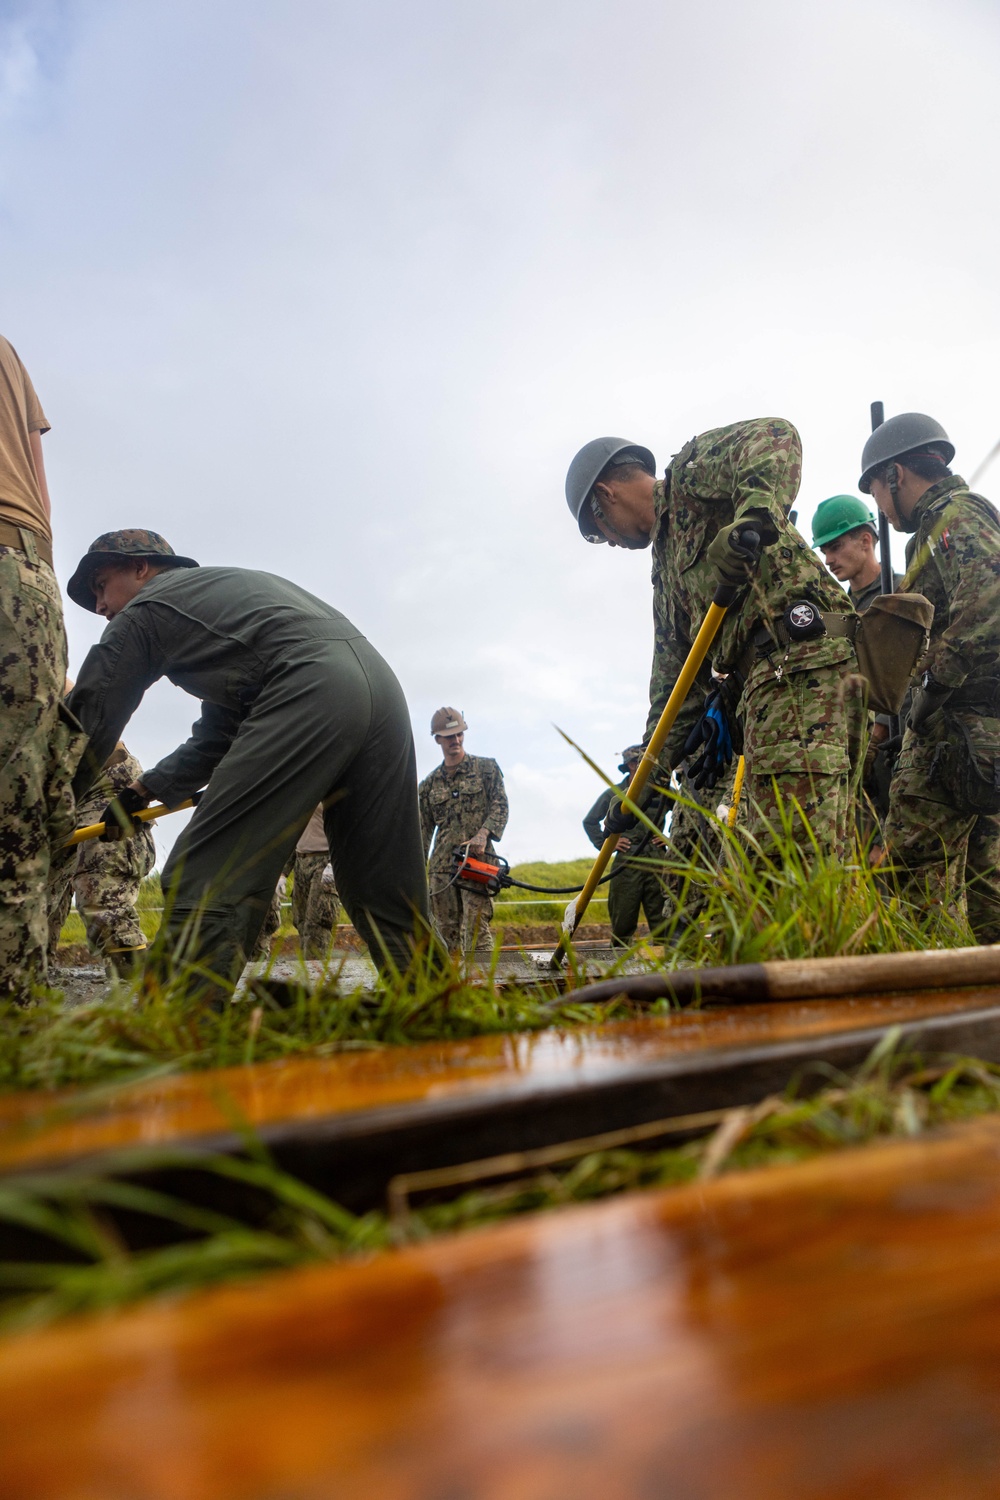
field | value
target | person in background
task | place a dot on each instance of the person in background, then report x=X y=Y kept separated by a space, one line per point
x=314 y=891
x=636 y=885
x=105 y=877
x=462 y=802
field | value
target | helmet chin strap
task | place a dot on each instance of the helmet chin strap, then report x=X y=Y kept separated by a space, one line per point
x=892 y=481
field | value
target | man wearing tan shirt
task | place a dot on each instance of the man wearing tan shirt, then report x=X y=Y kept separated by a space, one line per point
x=39 y=745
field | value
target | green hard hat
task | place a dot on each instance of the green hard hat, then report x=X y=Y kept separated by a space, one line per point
x=838 y=515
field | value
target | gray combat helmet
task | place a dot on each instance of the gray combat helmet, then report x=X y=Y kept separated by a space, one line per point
x=899 y=436
x=584 y=470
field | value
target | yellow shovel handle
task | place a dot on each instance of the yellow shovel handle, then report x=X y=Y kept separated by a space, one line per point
x=734 y=806
x=144 y=815
x=699 y=650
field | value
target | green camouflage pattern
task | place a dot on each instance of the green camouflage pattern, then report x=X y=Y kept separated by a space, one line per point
x=39 y=750
x=720 y=477
x=314 y=905
x=454 y=806
x=104 y=877
x=805 y=740
x=960 y=574
x=942 y=856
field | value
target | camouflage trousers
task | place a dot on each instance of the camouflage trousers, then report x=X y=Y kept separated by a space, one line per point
x=461 y=917
x=804 y=742
x=942 y=856
x=40 y=746
x=261 y=949
x=314 y=905
x=634 y=887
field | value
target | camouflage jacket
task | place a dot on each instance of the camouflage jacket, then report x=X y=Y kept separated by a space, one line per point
x=458 y=804
x=120 y=771
x=717 y=478
x=960 y=573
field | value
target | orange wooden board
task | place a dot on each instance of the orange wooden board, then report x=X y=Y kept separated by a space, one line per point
x=818 y=1332
x=43 y=1127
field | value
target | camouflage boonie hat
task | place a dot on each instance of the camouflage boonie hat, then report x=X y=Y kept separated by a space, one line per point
x=111 y=548
x=448 y=721
x=631 y=752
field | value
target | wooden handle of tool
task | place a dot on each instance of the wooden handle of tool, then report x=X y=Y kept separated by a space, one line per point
x=144 y=815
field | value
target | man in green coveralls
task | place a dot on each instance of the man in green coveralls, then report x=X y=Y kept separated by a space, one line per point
x=297 y=708
x=462 y=801
x=635 y=885
x=943 y=828
x=784 y=645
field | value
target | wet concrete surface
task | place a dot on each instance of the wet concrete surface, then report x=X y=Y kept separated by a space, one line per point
x=347 y=972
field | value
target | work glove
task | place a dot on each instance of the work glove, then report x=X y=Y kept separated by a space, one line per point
x=735 y=551
x=117 y=816
x=714 y=731
x=927 y=700
x=619 y=820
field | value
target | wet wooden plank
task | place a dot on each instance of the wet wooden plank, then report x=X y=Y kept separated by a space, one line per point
x=445 y=1076
x=819 y=1332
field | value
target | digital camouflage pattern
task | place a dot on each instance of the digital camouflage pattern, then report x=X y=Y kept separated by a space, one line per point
x=314 y=905
x=804 y=742
x=810 y=728
x=454 y=806
x=39 y=749
x=104 y=877
x=945 y=856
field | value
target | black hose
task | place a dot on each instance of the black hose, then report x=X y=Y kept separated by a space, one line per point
x=558 y=890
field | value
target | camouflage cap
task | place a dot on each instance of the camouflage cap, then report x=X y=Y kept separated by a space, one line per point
x=113 y=547
x=448 y=721
x=630 y=753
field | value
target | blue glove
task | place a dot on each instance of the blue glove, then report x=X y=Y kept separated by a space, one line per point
x=713 y=730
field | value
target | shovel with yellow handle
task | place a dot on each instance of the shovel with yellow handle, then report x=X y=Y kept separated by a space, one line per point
x=721 y=602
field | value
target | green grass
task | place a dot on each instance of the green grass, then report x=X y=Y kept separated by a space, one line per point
x=743 y=905
x=91 y=1268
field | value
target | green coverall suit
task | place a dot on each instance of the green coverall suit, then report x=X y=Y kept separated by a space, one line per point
x=635 y=885
x=297 y=709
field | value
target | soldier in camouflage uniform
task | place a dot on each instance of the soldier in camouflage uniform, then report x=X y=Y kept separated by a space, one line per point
x=636 y=885
x=462 y=801
x=943 y=828
x=105 y=877
x=844 y=530
x=314 y=893
x=39 y=743
x=800 y=698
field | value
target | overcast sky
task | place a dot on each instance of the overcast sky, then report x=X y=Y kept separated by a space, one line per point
x=337 y=290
